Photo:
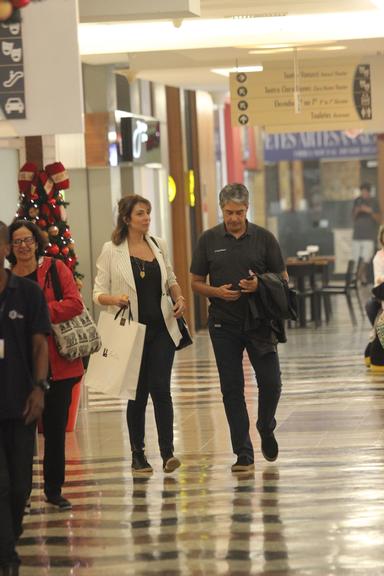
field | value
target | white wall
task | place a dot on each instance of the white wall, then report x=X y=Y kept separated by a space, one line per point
x=53 y=84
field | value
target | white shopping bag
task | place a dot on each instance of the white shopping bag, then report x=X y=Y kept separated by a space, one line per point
x=114 y=369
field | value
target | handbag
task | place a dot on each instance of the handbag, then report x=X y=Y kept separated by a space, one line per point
x=114 y=370
x=186 y=339
x=78 y=336
x=379 y=327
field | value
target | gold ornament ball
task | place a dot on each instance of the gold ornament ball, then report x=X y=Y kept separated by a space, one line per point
x=33 y=212
x=6 y=9
x=44 y=234
x=79 y=283
x=53 y=230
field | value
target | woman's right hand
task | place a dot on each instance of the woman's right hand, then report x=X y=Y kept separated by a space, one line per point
x=121 y=300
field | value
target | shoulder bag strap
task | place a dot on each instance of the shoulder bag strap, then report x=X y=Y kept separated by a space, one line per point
x=55 y=280
x=155 y=242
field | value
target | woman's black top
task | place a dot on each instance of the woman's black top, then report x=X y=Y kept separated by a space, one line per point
x=147 y=277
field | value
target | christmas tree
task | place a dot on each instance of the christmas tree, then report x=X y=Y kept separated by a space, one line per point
x=10 y=9
x=41 y=201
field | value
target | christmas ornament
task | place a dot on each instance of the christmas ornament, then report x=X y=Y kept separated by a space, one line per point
x=65 y=251
x=26 y=174
x=53 y=230
x=33 y=212
x=20 y=3
x=53 y=249
x=63 y=214
x=42 y=223
x=9 y=9
x=79 y=283
x=6 y=10
x=58 y=174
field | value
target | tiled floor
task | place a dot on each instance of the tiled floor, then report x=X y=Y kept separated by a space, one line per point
x=318 y=511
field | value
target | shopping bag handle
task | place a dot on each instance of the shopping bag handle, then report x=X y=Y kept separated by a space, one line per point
x=122 y=312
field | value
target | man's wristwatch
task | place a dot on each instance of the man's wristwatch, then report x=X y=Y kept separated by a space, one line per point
x=43 y=384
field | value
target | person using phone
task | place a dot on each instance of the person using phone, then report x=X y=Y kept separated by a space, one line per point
x=233 y=254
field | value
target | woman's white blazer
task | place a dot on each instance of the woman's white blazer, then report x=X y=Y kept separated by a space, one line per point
x=115 y=276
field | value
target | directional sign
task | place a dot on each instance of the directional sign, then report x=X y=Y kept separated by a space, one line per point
x=12 y=94
x=334 y=94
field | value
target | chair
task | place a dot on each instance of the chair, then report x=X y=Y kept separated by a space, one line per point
x=302 y=277
x=345 y=288
x=355 y=282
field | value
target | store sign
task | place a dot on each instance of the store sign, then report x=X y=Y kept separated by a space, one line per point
x=12 y=95
x=139 y=139
x=332 y=94
x=318 y=145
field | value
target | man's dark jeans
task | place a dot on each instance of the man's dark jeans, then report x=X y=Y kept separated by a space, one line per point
x=229 y=343
x=16 y=457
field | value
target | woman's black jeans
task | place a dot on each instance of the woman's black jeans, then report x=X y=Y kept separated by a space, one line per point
x=154 y=379
x=57 y=402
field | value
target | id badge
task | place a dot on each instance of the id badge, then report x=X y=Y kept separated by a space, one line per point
x=2 y=349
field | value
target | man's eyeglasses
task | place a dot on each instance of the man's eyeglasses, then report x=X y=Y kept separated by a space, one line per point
x=19 y=241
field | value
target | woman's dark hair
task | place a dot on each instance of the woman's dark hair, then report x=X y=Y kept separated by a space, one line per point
x=36 y=233
x=126 y=205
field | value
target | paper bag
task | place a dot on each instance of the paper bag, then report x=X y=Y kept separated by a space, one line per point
x=114 y=369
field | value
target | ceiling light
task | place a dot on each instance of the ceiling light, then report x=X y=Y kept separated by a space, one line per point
x=271 y=51
x=228 y=71
x=308 y=48
x=330 y=48
x=272 y=46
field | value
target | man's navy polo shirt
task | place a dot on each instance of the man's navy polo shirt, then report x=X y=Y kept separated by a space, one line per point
x=226 y=260
x=23 y=313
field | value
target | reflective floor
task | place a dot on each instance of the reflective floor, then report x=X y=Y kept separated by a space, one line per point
x=318 y=511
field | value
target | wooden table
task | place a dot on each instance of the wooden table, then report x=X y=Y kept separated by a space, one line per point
x=303 y=274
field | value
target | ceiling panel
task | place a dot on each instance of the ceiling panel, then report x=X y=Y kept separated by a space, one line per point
x=191 y=68
x=227 y=8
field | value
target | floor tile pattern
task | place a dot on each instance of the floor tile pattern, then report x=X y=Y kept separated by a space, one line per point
x=318 y=511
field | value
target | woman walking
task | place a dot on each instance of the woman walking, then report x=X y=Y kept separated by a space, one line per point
x=27 y=259
x=134 y=269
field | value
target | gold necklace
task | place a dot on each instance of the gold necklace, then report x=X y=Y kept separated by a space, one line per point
x=141 y=266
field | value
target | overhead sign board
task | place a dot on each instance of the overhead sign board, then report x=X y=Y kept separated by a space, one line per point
x=319 y=95
x=318 y=145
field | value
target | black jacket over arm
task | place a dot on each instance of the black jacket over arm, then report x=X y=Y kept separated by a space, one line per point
x=272 y=303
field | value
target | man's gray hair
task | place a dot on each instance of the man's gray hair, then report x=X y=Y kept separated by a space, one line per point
x=234 y=193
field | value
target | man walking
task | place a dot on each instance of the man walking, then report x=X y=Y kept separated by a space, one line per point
x=24 y=324
x=232 y=254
